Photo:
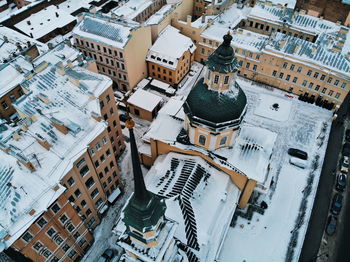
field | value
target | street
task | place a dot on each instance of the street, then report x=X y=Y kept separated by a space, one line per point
x=313 y=237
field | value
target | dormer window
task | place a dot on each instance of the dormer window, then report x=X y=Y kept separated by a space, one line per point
x=171 y=63
x=153 y=57
x=165 y=61
x=201 y=140
x=216 y=79
x=158 y=59
x=226 y=79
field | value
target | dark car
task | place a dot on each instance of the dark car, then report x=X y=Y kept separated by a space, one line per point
x=341 y=182
x=331 y=225
x=347 y=135
x=106 y=256
x=337 y=204
x=297 y=153
x=346 y=149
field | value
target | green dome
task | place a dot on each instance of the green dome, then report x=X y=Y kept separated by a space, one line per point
x=223 y=59
x=215 y=108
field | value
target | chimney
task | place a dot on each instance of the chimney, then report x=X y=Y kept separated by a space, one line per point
x=28 y=22
x=57 y=15
x=50 y=45
x=31 y=35
x=42 y=141
x=203 y=19
x=189 y=20
x=59 y=125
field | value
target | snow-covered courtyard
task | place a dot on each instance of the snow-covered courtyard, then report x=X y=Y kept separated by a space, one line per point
x=278 y=233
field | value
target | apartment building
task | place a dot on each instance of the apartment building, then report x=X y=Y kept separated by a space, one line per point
x=318 y=72
x=68 y=139
x=138 y=10
x=119 y=47
x=170 y=57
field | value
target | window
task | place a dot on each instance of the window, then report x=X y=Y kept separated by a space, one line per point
x=226 y=79
x=292 y=67
x=137 y=112
x=13 y=98
x=82 y=242
x=304 y=83
x=317 y=87
x=254 y=67
x=281 y=75
x=90 y=182
x=65 y=248
x=104 y=185
x=55 y=259
x=27 y=237
x=274 y=73
x=201 y=140
x=309 y=72
x=4 y=105
x=288 y=77
x=97 y=164
x=330 y=92
x=58 y=240
x=223 y=140
x=111 y=111
x=311 y=85
x=285 y=64
x=104 y=140
x=111 y=164
x=71 y=199
x=77 y=193
x=83 y=203
x=109 y=179
x=336 y=82
x=316 y=75
x=37 y=246
x=63 y=218
x=70 y=181
x=91 y=222
x=299 y=69
x=108 y=152
x=329 y=80
x=324 y=90
x=114 y=123
x=337 y=95
x=47 y=253
x=100 y=175
x=247 y=65
x=99 y=202
x=94 y=193
x=106 y=170
x=98 y=146
x=84 y=171
x=343 y=85
x=71 y=228
x=42 y=222
x=76 y=235
x=91 y=152
x=323 y=77
x=295 y=79
x=88 y=212
x=80 y=163
x=102 y=158
x=55 y=208
x=51 y=232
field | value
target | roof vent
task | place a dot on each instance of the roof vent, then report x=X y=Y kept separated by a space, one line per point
x=42 y=141
x=59 y=125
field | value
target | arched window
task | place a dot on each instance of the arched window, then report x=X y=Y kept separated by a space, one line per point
x=226 y=79
x=201 y=140
x=223 y=140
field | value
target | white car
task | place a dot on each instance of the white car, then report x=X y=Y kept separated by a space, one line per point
x=345 y=165
x=298 y=162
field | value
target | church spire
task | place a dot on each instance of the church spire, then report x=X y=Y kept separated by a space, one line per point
x=141 y=194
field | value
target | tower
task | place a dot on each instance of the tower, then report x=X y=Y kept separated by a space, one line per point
x=149 y=234
x=216 y=105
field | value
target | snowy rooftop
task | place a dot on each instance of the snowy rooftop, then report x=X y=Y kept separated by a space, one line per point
x=24 y=196
x=287 y=3
x=131 y=8
x=12 y=42
x=70 y=6
x=157 y=17
x=112 y=32
x=45 y=21
x=192 y=187
x=10 y=78
x=145 y=100
x=170 y=47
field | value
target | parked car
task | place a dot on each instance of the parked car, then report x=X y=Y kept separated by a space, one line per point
x=344 y=164
x=298 y=162
x=347 y=135
x=297 y=153
x=341 y=182
x=337 y=204
x=106 y=256
x=346 y=149
x=331 y=225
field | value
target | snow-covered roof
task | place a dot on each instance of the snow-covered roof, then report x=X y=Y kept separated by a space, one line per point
x=192 y=187
x=145 y=100
x=109 y=31
x=64 y=96
x=170 y=47
x=70 y=6
x=45 y=21
x=287 y=3
x=131 y=8
x=24 y=196
x=157 y=17
x=12 y=43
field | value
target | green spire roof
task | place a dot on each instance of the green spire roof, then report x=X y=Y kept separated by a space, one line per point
x=144 y=208
x=223 y=59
